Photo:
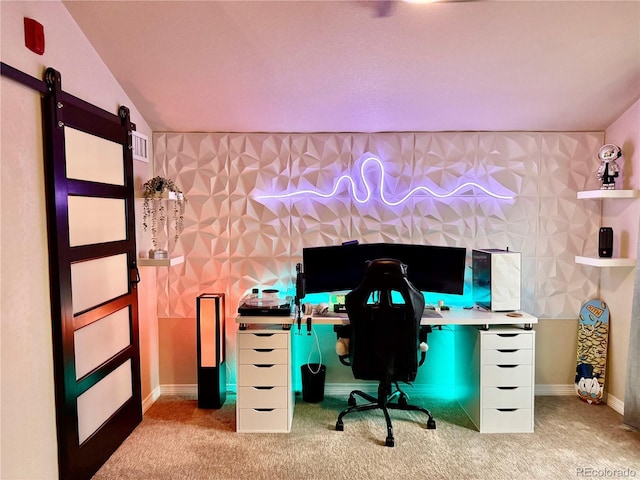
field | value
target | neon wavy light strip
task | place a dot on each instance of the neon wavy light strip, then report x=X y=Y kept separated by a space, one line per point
x=347 y=178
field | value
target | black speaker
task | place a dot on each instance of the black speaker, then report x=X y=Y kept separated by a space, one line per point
x=605 y=242
x=301 y=285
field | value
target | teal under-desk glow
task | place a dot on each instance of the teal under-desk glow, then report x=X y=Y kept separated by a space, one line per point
x=435 y=377
x=438 y=374
x=483 y=360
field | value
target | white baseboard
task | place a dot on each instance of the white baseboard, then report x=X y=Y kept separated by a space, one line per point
x=345 y=389
x=555 y=389
x=190 y=389
x=570 y=390
x=615 y=403
x=150 y=399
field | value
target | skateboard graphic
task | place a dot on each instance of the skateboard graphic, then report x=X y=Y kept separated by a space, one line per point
x=591 y=363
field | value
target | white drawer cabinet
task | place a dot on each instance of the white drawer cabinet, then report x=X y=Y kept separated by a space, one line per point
x=507 y=356
x=505 y=338
x=499 y=397
x=506 y=375
x=507 y=397
x=265 y=397
x=256 y=420
x=517 y=420
x=263 y=375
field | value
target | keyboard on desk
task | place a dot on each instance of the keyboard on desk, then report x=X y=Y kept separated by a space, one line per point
x=427 y=313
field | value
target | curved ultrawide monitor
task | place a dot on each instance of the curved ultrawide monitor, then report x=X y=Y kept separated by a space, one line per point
x=430 y=268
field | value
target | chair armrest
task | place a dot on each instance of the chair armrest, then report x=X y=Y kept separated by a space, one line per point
x=343 y=332
x=342 y=349
x=423 y=357
x=424 y=333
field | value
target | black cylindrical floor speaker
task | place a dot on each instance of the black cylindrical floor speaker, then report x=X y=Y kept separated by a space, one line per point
x=605 y=242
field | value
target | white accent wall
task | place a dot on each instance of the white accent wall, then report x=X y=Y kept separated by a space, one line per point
x=233 y=241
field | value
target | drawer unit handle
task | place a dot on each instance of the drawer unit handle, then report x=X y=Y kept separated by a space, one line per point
x=264 y=409
x=506 y=388
x=506 y=366
x=263 y=350
x=507 y=350
x=508 y=334
x=263 y=334
x=506 y=409
x=264 y=365
x=268 y=388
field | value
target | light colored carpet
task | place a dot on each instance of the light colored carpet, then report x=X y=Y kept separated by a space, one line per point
x=176 y=440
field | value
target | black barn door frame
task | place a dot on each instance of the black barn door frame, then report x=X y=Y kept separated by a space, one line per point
x=60 y=109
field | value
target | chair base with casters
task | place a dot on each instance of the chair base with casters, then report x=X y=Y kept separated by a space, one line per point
x=387 y=400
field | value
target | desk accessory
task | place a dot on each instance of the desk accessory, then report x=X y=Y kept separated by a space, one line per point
x=262 y=310
x=269 y=304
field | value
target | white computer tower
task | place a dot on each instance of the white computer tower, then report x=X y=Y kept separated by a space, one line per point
x=497 y=279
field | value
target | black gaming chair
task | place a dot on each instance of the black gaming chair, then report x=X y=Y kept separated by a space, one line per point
x=385 y=337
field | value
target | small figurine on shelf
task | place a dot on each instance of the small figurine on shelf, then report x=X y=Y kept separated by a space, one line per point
x=609 y=169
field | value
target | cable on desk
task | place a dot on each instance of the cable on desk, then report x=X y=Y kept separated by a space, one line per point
x=315 y=334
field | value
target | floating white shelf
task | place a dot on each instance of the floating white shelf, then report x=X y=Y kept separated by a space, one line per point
x=160 y=262
x=608 y=194
x=606 y=262
x=166 y=195
x=601 y=261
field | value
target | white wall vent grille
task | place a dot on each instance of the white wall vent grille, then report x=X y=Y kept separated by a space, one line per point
x=140 y=145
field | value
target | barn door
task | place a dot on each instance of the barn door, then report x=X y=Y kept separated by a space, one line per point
x=90 y=215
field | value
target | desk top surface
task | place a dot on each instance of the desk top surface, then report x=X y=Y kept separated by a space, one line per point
x=454 y=316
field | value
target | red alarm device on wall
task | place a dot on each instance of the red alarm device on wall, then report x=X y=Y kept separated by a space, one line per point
x=34 y=35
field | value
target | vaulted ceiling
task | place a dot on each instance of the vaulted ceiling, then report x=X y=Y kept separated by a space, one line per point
x=361 y=66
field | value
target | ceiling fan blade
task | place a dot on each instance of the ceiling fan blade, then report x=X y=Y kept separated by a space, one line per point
x=384 y=8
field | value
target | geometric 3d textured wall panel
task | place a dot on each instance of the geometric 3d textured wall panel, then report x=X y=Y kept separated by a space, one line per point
x=233 y=241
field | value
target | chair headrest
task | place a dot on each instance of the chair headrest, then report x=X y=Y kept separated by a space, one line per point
x=386 y=266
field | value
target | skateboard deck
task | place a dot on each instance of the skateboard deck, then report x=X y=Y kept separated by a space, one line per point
x=591 y=363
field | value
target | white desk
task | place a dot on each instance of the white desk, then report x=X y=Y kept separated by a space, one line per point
x=455 y=316
x=498 y=357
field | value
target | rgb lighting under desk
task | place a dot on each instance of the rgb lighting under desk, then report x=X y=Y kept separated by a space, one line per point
x=451 y=319
x=436 y=377
x=442 y=369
